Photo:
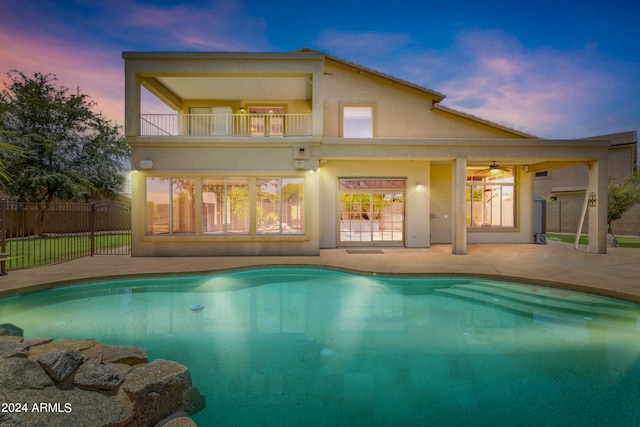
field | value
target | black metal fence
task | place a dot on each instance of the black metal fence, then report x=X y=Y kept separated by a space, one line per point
x=33 y=234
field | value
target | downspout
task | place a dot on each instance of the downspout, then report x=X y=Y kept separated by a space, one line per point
x=582 y=215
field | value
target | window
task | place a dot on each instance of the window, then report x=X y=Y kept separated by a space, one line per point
x=170 y=206
x=357 y=122
x=225 y=205
x=280 y=206
x=490 y=197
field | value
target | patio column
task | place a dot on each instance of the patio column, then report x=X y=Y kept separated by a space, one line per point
x=459 y=207
x=597 y=204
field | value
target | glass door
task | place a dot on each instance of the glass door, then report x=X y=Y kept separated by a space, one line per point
x=371 y=212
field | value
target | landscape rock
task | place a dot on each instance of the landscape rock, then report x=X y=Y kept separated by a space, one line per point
x=9 y=329
x=13 y=348
x=90 y=349
x=66 y=383
x=159 y=389
x=98 y=376
x=124 y=354
x=18 y=373
x=61 y=363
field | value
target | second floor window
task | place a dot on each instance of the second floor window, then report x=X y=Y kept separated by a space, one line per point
x=357 y=122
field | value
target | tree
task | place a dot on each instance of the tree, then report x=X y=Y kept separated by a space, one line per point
x=5 y=148
x=70 y=153
x=621 y=197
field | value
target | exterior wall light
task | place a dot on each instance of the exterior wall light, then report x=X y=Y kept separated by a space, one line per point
x=146 y=164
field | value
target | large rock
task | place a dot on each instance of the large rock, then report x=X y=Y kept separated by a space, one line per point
x=90 y=349
x=61 y=363
x=10 y=329
x=98 y=376
x=52 y=407
x=160 y=389
x=21 y=373
x=124 y=354
x=13 y=348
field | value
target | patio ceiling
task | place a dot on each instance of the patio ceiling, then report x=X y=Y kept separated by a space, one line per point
x=256 y=88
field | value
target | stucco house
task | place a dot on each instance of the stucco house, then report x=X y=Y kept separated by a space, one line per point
x=289 y=153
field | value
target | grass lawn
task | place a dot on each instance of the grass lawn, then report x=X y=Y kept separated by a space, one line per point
x=624 y=242
x=31 y=252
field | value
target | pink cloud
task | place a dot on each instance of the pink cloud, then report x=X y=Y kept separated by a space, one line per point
x=97 y=74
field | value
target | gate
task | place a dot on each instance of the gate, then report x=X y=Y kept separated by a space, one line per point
x=111 y=228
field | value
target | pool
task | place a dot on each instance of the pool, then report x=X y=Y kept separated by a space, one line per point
x=304 y=346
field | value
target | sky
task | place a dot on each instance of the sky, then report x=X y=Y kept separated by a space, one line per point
x=554 y=69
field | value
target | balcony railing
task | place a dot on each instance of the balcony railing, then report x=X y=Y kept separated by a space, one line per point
x=225 y=124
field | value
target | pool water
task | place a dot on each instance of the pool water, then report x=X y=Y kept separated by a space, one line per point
x=307 y=346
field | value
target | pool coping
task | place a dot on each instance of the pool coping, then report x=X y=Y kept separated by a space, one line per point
x=613 y=275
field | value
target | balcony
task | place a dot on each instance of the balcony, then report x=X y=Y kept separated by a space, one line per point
x=226 y=125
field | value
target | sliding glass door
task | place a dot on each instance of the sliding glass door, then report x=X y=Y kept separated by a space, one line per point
x=371 y=212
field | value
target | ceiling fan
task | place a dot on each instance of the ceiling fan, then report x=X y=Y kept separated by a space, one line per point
x=494 y=168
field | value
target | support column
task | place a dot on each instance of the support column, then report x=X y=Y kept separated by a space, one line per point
x=459 y=207
x=597 y=206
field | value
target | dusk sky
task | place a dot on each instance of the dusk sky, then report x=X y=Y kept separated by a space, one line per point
x=555 y=69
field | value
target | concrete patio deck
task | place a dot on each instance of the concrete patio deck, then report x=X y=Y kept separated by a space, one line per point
x=616 y=274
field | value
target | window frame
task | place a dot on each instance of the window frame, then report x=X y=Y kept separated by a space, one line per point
x=358 y=105
x=484 y=185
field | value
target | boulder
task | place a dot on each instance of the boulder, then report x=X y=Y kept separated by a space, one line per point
x=10 y=329
x=159 y=389
x=61 y=363
x=13 y=348
x=52 y=407
x=90 y=349
x=21 y=373
x=124 y=354
x=99 y=376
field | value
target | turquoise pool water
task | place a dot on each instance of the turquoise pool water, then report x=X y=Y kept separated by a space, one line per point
x=285 y=346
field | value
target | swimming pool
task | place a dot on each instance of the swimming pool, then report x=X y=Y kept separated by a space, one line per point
x=323 y=347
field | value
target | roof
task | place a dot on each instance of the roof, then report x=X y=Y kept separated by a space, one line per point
x=437 y=95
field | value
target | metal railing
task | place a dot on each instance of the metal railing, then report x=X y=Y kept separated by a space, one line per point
x=226 y=124
x=32 y=234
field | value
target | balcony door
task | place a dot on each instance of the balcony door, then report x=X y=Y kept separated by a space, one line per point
x=371 y=212
x=267 y=121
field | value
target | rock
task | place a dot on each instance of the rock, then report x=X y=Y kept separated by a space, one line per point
x=90 y=349
x=61 y=363
x=98 y=376
x=124 y=354
x=180 y=422
x=64 y=408
x=9 y=329
x=19 y=373
x=13 y=348
x=65 y=383
x=160 y=389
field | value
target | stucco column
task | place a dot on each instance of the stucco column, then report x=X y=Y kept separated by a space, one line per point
x=131 y=103
x=459 y=207
x=597 y=206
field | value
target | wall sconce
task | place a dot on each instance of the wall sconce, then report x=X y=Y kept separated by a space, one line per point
x=592 y=200
x=146 y=164
x=525 y=168
x=241 y=110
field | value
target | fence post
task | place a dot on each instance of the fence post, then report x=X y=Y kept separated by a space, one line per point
x=3 y=236
x=92 y=228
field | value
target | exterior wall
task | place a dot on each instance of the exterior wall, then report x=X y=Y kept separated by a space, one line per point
x=416 y=232
x=399 y=112
x=193 y=161
x=440 y=192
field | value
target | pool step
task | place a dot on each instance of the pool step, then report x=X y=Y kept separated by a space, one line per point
x=551 y=307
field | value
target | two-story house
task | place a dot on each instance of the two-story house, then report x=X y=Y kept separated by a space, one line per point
x=289 y=153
